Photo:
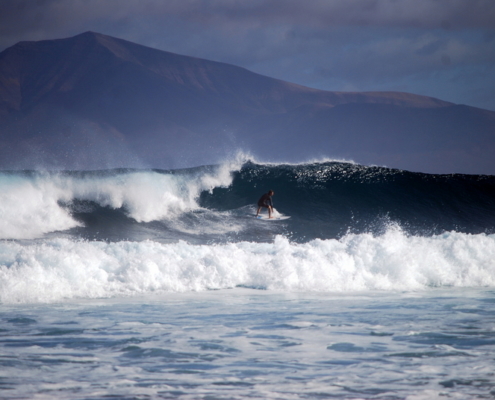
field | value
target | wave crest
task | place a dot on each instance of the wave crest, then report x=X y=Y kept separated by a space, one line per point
x=35 y=203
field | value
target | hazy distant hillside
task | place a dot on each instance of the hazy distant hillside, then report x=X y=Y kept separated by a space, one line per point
x=93 y=101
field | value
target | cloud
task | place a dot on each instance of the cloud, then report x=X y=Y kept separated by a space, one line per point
x=20 y=18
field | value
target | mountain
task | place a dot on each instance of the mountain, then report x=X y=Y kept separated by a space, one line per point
x=93 y=101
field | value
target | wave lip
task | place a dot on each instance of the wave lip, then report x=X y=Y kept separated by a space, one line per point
x=61 y=269
x=29 y=206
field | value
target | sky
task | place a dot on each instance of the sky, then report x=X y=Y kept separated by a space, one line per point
x=438 y=48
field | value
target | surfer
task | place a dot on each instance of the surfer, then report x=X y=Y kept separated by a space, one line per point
x=266 y=202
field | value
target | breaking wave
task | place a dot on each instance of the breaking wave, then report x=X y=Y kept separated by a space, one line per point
x=91 y=234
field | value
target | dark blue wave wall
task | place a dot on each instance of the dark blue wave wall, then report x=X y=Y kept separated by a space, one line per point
x=327 y=200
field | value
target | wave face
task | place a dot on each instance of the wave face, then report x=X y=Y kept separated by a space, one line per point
x=328 y=200
x=124 y=232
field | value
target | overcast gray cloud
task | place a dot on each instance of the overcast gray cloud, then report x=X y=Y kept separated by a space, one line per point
x=439 y=48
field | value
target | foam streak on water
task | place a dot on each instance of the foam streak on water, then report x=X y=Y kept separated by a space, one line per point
x=245 y=343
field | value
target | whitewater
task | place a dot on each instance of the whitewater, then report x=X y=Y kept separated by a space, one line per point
x=162 y=284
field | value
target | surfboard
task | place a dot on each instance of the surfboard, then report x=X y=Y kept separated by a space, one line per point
x=264 y=217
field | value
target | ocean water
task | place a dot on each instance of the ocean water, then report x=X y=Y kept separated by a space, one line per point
x=139 y=284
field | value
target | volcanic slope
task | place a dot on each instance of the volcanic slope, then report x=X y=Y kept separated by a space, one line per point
x=94 y=101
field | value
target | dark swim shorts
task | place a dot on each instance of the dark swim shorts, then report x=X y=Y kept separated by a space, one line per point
x=265 y=204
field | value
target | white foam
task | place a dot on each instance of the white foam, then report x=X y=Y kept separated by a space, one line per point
x=59 y=269
x=309 y=161
x=30 y=204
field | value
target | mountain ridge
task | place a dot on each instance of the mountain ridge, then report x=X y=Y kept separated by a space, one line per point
x=181 y=73
x=73 y=101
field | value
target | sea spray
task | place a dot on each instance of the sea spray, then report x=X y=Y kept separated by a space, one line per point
x=33 y=203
